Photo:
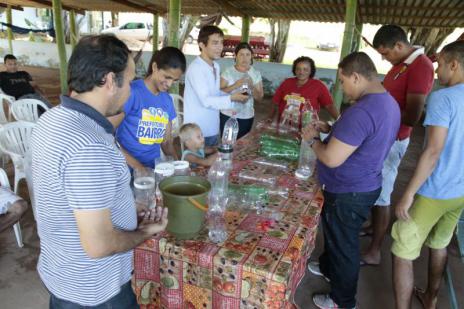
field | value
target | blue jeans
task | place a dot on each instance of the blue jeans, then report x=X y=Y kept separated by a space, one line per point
x=125 y=299
x=211 y=140
x=342 y=217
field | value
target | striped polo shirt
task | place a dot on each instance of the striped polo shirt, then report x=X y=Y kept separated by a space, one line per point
x=76 y=165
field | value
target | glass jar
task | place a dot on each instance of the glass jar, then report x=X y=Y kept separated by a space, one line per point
x=181 y=168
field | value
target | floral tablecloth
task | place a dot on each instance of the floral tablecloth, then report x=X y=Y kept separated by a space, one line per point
x=260 y=264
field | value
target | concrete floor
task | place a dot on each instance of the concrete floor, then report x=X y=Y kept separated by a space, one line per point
x=20 y=286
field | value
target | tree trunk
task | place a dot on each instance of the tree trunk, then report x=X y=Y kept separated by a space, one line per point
x=279 y=40
x=164 y=25
x=187 y=24
x=431 y=39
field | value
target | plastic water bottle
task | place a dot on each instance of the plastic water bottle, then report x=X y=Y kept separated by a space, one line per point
x=229 y=135
x=218 y=176
x=306 y=161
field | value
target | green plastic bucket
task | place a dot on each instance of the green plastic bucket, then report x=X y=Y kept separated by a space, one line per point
x=182 y=195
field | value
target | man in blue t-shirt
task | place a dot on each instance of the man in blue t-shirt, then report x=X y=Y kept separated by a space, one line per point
x=430 y=208
x=350 y=172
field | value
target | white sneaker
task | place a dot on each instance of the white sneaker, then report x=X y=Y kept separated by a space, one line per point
x=324 y=301
x=313 y=267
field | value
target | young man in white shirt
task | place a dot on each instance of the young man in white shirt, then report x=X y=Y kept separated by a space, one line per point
x=203 y=97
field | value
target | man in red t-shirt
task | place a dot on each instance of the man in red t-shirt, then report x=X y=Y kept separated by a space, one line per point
x=409 y=81
x=303 y=89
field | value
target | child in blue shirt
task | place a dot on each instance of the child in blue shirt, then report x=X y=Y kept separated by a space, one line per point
x=194 y=150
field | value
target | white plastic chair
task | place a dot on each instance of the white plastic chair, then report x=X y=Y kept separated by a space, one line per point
x=4 y=182
x=179 y=120
x=5 y=115
x=27 y=109
x=14 y=141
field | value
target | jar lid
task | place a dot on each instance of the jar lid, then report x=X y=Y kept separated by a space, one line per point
x=225 y=148
x=181 y=165
x=165 y=169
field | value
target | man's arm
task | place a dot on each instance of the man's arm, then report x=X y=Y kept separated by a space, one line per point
x=436 y=138
x=413 y=110
x=212 y=101
x=100 y=239
x=334 y=153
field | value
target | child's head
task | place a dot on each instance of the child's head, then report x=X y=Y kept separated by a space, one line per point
x=191 y=136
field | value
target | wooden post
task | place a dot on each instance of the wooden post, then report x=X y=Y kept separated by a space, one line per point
x=246 y=28
x=155 y=34
x=174 y=23
x=350 y=19
x=9 y=20
x=72 y=22
x=61 y=46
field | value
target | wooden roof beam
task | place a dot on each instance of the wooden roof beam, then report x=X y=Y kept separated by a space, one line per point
x=13 y=7
x=229 y=8
x=66 y=7
x=138 y=7
x=158 y=8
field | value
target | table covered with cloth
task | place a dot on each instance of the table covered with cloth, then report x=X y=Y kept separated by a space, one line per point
x=260 y=264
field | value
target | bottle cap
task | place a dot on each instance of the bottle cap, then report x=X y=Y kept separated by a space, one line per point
x=225 y=148
x=165 y=169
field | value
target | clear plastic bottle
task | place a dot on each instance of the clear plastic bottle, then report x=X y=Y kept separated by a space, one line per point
x=229 y=135
x=306 y=161
x=218 y=176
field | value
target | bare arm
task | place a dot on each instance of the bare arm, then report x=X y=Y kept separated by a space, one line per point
x=99 y=238
x=413 y=111
x=36 y=88
x=332 y=154
x=333 y=111
x=229 y=88
x=168 y=143
x=208 y=161
x=436 y=138
x=210 y=149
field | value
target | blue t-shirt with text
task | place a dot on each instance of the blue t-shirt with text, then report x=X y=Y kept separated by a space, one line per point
x=144 y=126
x=445 y=108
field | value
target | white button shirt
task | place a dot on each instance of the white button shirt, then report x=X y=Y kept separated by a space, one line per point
x=202 y=96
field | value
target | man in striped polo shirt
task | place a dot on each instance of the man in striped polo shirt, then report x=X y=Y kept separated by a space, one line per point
x=86 y=215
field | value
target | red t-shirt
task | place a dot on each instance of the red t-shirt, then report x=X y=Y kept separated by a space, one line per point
x=415 y=78
x=313 y=92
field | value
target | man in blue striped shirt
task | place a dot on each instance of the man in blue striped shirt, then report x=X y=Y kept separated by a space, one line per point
x=86 y=215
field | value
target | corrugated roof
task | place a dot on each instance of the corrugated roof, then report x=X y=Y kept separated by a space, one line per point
x=411 y=13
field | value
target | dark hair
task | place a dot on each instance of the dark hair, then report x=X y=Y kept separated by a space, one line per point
x=206 y=31
x=94 y=57
x=312 y=65
x=454 y=51
x=358 y=62
x=388 y=35
x=168 y=58
x=244 y=45
x=8 y=57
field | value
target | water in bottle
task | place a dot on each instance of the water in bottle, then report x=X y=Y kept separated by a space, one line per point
x=229 y=135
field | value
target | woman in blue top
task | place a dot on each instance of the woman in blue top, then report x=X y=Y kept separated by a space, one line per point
x=144 y=126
